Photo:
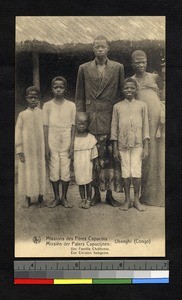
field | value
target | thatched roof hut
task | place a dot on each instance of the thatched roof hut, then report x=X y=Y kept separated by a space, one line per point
x=63 y=30
x=51 y=46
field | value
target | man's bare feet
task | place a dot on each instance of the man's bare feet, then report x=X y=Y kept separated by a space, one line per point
x=96 y=200
x=111 y=201
x=139 y=206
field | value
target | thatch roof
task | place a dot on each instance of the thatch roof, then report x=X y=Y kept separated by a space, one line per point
x=62 y=30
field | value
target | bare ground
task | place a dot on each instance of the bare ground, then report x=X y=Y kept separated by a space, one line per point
x=102 y=219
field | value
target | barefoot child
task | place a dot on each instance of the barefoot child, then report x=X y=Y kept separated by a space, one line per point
x=59 y=130
x=29 y=143
x=85 y=156
x=130 y=135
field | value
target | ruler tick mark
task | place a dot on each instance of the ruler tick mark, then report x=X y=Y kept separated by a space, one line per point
x=92 y=265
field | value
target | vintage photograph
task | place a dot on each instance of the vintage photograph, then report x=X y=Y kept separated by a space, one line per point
x=90 y=136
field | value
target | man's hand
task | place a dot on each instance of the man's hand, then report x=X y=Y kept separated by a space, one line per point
x=21 y=157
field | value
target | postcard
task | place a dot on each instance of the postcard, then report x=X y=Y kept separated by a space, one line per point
x=90 y=136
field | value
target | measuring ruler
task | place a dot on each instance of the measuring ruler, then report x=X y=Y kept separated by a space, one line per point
x=91 y=271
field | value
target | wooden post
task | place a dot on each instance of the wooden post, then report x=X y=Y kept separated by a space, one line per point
x=36 y=75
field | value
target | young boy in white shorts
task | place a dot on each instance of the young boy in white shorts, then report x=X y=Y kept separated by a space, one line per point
x=59 y=131
x=130 y=135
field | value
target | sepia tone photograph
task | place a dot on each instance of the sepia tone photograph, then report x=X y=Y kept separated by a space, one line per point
x=95 y=88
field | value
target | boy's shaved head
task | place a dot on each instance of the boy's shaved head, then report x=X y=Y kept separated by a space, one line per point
x=81 y=122
x=138 y=54
x=81 y=116
x=33 y=89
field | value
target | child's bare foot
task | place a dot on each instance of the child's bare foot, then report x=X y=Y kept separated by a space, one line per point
x=139 y=206
x=27 y=202
x=54 y=203
x=131 y=203
x=87 y=204
x=125 y=206
x=81 y=204
x=40 y=205
x=64 y=202
x=40 y=201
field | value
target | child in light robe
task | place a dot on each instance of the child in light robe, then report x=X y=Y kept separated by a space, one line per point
x=30 y=148
x=85 y=159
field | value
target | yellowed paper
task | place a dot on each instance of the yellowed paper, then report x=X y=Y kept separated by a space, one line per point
x=51 y=46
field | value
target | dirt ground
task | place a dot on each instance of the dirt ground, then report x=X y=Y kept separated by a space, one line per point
x=102 y=219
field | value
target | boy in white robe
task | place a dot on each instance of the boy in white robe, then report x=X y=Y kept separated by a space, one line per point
x=30 y=148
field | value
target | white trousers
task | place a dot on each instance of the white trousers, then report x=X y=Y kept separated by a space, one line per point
x=131 y=162
x=59 y=143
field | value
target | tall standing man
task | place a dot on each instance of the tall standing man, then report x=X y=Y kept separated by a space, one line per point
x=98 y=88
